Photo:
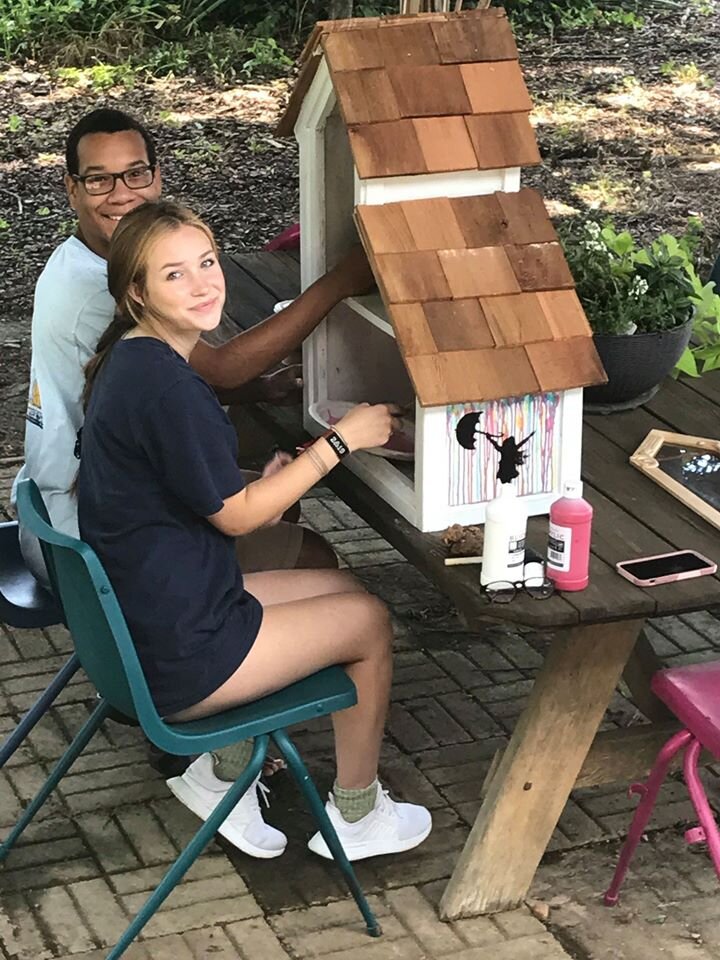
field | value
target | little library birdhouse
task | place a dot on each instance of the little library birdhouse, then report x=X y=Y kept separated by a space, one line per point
x=412 y=133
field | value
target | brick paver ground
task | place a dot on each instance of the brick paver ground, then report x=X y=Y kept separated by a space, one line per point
x=108 y=834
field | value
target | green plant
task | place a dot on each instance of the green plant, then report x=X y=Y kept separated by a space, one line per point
x=100 y=77
x=626 y=288
x=265 y=54
x=687 y=73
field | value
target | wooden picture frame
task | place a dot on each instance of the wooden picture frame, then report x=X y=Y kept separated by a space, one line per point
x=646 y=459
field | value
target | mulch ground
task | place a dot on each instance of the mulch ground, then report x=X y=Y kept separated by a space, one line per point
x=628 y=123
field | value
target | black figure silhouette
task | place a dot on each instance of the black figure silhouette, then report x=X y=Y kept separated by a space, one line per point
x=511 y=456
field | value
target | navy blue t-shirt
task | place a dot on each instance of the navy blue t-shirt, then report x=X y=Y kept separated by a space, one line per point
x=159 y=455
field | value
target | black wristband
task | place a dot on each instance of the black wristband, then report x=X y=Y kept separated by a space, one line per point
x=337 y=443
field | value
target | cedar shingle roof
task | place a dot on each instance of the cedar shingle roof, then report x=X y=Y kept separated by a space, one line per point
x=425 y=93
x=480 y=297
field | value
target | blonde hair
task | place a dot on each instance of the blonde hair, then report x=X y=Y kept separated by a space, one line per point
x=133 y=239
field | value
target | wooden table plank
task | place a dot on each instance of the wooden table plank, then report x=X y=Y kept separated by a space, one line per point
x=276 y=272
x=606 y=467
x=685 y=410
x=707 y=386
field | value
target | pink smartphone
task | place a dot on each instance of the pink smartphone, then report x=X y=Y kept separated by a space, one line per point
x=665 y=568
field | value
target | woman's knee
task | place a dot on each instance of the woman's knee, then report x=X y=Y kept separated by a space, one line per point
x=374 y=621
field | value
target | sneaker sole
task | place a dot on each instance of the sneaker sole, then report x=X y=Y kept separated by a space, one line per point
x=189 y=799
x=362 y=853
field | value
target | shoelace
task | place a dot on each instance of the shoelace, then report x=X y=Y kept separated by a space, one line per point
x=386 y=803
x=264 y=792
x=252 y=796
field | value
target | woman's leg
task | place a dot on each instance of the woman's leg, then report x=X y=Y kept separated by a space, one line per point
x=282 y=586
x=302 y=636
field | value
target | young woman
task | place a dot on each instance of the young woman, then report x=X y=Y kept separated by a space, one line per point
x=161 y=499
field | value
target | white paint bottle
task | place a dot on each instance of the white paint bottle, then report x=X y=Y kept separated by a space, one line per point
x=504 y=543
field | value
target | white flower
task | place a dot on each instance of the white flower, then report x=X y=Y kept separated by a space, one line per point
x=638 y=287
x=597 y=245
x=593 y=230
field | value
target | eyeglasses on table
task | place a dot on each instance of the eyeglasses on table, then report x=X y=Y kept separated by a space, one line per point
x=505 y=591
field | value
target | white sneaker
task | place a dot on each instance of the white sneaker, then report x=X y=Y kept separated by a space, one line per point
x=390 y=827
x=201 y=791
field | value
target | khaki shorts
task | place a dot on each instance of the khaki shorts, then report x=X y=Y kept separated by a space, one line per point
x=269 y=548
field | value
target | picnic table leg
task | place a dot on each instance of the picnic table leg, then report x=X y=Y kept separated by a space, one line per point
x=538 y=769
x=642 y=664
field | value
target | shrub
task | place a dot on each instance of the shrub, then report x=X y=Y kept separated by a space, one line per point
x=625 y=288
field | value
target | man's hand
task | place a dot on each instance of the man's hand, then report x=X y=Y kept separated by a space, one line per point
x=353 y=273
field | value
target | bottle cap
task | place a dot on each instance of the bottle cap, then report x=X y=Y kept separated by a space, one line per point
x=533 y=571
x=573 y=489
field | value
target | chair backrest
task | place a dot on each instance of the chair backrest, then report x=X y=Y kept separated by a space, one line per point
x=23 y=601
x=96 y=622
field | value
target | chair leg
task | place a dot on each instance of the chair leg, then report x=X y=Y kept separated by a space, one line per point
x=317 y=808
x=60 y=769
x=710 y=832
x=648 y=791
x=38 y=709
x=194 y=848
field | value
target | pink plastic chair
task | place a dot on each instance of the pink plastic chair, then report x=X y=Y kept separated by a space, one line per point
x=693 y=695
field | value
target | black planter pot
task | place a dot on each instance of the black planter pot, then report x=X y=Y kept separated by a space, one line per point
x=636 y=365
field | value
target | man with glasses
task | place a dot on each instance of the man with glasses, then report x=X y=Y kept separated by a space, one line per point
x=112 y=168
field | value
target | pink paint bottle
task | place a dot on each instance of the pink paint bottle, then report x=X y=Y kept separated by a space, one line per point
x=568 y=555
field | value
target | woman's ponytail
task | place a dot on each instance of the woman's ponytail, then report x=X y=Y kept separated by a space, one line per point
x=119 y=326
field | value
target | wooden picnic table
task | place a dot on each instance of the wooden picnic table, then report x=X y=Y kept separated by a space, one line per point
x=597 y=633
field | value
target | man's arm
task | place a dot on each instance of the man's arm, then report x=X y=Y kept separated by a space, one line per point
x=251 y=353
x=281 y=387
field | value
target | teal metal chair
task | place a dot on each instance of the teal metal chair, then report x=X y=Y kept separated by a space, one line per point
x=106 y=652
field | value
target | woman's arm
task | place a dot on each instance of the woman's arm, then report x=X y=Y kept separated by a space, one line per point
x=261 y=501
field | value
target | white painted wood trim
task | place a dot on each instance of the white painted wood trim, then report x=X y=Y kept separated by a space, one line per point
x=432 y=468
x=372 y=309
x=465 y=183
x=309 y=129
x=318 y=103
x=571 y=437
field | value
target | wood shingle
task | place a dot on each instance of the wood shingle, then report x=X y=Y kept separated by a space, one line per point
x=479 y=322
x=430 y=69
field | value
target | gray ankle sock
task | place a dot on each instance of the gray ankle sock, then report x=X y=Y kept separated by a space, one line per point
x=355 y=804
x=231 y=761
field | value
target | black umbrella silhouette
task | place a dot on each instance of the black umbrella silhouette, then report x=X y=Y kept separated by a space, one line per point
x=466 y=429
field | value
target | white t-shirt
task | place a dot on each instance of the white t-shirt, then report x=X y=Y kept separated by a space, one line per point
x=72 y=309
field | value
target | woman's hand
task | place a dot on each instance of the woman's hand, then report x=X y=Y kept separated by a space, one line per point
x=368 y=426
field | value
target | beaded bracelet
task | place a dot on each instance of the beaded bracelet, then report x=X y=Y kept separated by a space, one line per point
x=317 y=462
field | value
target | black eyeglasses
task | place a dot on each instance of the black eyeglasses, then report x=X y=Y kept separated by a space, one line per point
x=503 y=591
x=97 y=184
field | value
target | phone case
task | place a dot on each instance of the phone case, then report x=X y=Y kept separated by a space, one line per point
x=710 y=568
